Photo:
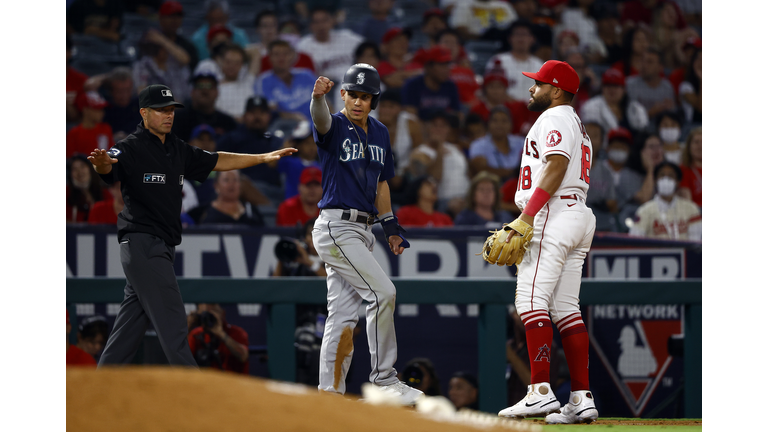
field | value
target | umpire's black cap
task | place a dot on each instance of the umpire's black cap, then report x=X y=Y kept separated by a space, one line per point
x=157 y=96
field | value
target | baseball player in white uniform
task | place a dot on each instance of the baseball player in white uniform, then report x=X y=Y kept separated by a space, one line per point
x=357 y=161
x=551 y=192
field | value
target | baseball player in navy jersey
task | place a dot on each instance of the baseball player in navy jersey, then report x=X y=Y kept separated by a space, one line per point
x=357 y=161
x=552 y=190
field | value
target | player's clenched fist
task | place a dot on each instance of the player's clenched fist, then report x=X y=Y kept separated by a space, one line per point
x=322 y=86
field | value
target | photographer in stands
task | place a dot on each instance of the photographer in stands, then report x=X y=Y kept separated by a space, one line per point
x=297 y=256
x=214 y=342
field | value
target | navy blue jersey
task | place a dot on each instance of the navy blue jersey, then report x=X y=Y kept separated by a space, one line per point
x=351 y=170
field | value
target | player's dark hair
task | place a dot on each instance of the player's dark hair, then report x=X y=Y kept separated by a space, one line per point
x=657 y=168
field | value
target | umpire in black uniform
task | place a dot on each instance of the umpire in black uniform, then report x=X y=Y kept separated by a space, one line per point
x=152 y=164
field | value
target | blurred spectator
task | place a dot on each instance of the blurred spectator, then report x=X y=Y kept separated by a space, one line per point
x=84 y=188
x=494 y=94
x=122 y=111
x=204 y=137
x=298 y=257
x=588 y=82
x=444 y=162
x=567 y=40
x=303 y=9
x=92 y=334
x=691 y=182
x=227 y=208
x=626 y=181
x=404 y=132
x=302 y=207
x=236 y=83
x=525 y=9
x=288 y=90
x=498 y=152
x=612 y=108
x=433 y=21
x=687 y=50
x=105 y=211
x=461 y=69
x=669 y=128
x=217 y=13
x=432 y=90
x=602 y=189
x=667 y=37
x=463 y=391
x=331 y=50
x=609 y=32
x=218 y=37
x=578 y=19
x=75 y=84
x=397 y=65
x=473 y=129
x=291 y=168
x=170 y=17
x=484 y=203
x=377 y=21
x=473 y=18
x=690 y=90
x=253 y=137
x=75 y=355
x=518 y=60
x=268 y=29
x=216 y=343
x=420 y=209
x=649 y=87
x=92 y=132
x=162 y=62
x=638 y=12
x=201 y=109
x=99 y=18
x=368 y=53
x=420 y=373
x=667 y=216
x=634 y=43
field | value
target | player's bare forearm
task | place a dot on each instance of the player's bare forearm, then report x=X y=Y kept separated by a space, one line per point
x=382 y=202
x=232 y=161
x=318 y=107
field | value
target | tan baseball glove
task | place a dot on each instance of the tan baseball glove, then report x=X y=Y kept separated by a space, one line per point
x=496 y=251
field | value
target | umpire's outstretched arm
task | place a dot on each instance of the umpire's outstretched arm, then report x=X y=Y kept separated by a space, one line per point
x=232 y=161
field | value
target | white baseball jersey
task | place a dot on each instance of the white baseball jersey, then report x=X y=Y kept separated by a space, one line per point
x=557 y=131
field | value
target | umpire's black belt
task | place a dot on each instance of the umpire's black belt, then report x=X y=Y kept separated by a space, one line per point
x=359 y=217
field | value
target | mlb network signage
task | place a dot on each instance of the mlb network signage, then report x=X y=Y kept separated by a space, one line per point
x=434 y=253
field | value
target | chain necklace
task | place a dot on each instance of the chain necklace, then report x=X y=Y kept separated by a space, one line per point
x=365 y=146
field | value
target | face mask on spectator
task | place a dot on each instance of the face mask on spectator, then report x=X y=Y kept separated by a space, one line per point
x=669 y=134
x=618 y=156
x=666 y=186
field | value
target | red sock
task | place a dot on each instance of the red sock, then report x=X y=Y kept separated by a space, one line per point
x=538 y=336
x=575 y=340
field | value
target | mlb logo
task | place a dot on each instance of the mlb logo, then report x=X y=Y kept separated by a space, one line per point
x=166 y=93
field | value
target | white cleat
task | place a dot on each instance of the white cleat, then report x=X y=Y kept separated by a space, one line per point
x=539 y=402
x=579 y=409
x=407 y=395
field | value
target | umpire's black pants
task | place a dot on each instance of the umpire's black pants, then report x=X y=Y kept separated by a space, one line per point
x=151 y=296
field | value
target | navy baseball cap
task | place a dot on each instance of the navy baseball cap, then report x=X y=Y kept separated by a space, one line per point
x=201 y=129
x=157 y=96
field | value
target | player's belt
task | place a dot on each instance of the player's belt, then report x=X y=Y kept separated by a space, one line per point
x=359 y=217
x=573 y=197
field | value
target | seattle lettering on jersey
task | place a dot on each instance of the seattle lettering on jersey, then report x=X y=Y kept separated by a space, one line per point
x=354 y=151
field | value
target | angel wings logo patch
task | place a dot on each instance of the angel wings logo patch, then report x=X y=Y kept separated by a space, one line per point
x=553 y=138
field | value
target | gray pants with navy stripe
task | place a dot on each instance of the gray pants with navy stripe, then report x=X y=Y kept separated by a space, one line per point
x=354 y=276
x=151 y=296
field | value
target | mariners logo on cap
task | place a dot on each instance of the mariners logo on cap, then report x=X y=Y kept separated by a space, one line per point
x=166 y=93
x=360 y=78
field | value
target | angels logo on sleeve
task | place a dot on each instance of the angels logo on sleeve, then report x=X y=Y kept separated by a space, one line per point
x=553 y=138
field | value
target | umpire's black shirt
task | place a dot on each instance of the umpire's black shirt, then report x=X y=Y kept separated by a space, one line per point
x=152 y=175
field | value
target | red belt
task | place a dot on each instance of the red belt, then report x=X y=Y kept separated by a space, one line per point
x=573 y=197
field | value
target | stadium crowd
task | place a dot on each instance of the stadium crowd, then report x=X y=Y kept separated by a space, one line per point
x=454 y=101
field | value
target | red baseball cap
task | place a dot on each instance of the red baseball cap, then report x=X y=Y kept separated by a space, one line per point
x=621 y=134
x=394 y=32
x=613 y=76
x=171 y=7
x=90 y=99
x=495 y=76
x=218 y=28
x=310 y=174
x=438 y=54
x=557 y=73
